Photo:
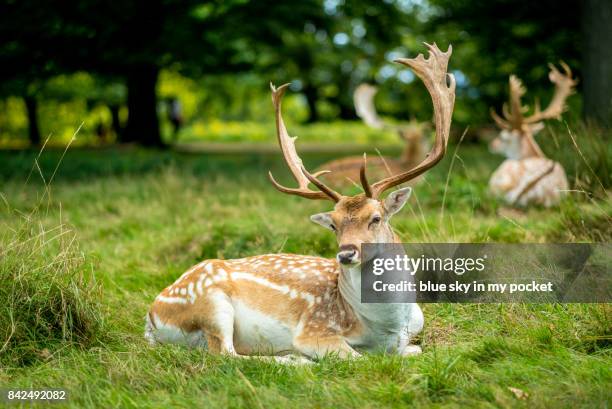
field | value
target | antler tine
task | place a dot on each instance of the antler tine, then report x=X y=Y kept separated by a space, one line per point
x=293 y=161
x=501 y=122
x=564 y=87
x=506 y=112
x=331 y=194
x=517 y=90
x=432 y=71
x=367 y=189
x=512 y=112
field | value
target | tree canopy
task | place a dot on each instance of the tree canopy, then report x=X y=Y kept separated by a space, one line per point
x=325 y=47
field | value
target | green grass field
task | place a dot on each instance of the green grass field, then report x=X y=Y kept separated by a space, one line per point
x=118 y=225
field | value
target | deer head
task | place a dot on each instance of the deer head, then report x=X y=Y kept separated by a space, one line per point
x=364 y=218
x=515 y=139
x=413 y=130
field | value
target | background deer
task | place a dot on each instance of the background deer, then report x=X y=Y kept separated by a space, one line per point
x=346 y=170
x=275 y=304
x=528 y=176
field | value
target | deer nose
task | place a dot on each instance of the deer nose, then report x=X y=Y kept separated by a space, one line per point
x=348 y=254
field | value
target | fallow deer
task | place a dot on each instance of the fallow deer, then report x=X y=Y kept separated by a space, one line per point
x=528 y=176
x=277 y=304
x=345 y=171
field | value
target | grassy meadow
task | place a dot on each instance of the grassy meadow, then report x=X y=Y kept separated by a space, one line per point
x=82 y=259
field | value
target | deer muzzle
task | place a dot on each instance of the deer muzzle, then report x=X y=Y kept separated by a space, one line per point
x=348 y=254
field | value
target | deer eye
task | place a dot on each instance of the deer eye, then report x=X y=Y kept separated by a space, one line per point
x=331 y=226
x=375 y=220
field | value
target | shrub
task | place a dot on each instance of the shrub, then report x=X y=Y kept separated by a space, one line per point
x=47 y=299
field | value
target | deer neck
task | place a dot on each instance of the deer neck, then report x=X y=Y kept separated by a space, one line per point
x=530 y=148
x=378 y=319
x=413 y=152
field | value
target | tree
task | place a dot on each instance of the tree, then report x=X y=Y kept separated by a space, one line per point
x=24 y=70
x=32 y=112
x=502 y=37
x=28 y=88
x=496 y=38
x=341 y=45
x=597 y=61
x=134 y=39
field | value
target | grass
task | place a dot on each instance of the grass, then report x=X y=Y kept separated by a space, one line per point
x=48 y=300
x=140 y=218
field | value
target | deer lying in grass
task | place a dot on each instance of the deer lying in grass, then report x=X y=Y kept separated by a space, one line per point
x=528 y=176
x=346 y=170
x=278 y=304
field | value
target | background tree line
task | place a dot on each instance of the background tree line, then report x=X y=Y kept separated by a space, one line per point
x=233 y=48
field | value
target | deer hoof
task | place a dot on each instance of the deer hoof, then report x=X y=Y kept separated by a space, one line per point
x=412 y=350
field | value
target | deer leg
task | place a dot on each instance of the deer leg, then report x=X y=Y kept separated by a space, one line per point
x=316 y=347
x=220 y=333
x=218 y=325
x=414 y=327
x=216 y=346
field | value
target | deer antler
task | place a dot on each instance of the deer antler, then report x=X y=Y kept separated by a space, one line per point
x=432 y=71
x=515 y=113
x=363 y=98
x=294 y=162
x=501 y=122
x=564 y=87
x=513 y=116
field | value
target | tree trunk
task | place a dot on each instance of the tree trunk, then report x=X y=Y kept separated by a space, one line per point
x=597 y=61
x=32 y=111
x=143 y=124
x=312 y=96
x=115 y=122
x=347 y=112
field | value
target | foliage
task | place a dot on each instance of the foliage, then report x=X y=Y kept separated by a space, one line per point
x=494 y=39
x=217 y=60
x=40 y=40
x=346 y=47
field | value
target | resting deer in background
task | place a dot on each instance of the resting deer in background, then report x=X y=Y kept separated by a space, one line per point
x=346 y=170
x=528 y=176
x=278 y=304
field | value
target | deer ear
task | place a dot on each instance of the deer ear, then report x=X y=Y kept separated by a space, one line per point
x=396 y=200
x=324 y=219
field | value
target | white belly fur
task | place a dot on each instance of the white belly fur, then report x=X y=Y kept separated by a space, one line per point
x=257 y=333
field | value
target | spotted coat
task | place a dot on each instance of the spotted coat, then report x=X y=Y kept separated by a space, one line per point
x=277 y=303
